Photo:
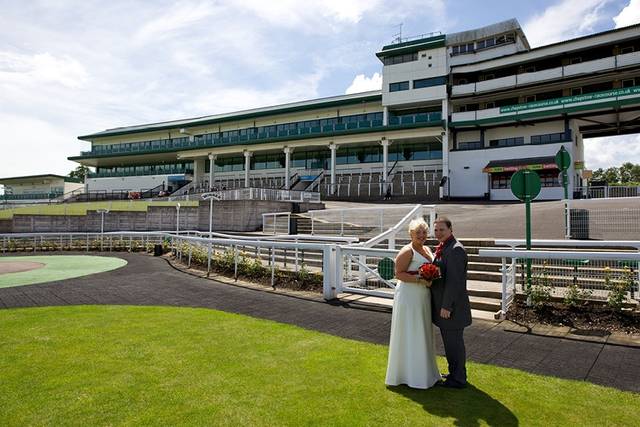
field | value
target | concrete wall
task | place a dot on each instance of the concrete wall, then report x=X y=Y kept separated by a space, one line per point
x=236 y=215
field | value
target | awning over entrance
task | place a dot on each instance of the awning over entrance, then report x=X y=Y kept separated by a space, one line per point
x=513 y=165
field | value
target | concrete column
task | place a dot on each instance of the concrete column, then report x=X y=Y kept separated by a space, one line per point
x=385 y=162
x=247 y=167
x=212 y=160
x=198 y=170
x=287 y=161
x=385 y=116
x=333 y=147
x=445 y=147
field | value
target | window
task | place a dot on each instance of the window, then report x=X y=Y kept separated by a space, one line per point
x=400 y=59
x=530 y=69
x=576 y=91
x=434 y=81
x=463 y=81
x=473 y=145
x=507 y=142
x=396 y=87
x=628 y=83
x=489 y=77
x=462 y=48
x=490 y=105
x=500 y=181
x=626 y=49
x=548 y=138
x=462 y=109
x=530 y=98
x=575 y=60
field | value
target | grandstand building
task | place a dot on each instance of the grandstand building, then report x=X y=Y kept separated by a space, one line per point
x=37 y=188
x=457 y=115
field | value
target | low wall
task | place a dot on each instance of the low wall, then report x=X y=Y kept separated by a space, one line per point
x=228 y=215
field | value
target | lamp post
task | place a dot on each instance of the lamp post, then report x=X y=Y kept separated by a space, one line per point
x=177 y=218
x=102 y=211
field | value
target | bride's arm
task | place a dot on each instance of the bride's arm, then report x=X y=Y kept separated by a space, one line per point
x=403 y=259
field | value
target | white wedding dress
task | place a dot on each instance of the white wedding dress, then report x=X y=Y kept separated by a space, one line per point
x=412 y=349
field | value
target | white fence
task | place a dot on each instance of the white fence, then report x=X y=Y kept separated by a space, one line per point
x=606 y=192
x=583 y=274
x=265 y=194
x=588 y=219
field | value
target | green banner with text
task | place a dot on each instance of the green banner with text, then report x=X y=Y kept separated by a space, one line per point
x=635 y=90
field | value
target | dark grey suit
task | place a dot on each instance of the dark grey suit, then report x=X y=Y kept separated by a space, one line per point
x=450 y=292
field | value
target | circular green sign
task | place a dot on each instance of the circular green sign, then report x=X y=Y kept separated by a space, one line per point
x=525 y=184
x=563 y=159
x=386 y=268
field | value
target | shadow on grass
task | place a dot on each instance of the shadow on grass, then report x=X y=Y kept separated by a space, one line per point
x=467 y=407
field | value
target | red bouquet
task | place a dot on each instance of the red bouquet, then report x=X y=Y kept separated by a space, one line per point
x=429 y=272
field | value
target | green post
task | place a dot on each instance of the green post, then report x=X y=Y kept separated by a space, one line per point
x=525 y=185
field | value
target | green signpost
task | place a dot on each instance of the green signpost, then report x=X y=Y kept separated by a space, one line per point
x=563 y=160
x=525 y=185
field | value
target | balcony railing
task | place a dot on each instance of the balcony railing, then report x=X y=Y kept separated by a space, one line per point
x=303 y=132
x=139 y=173
x=587 y=67
x=36 y=196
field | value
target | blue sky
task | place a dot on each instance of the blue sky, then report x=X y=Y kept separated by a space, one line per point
x=69 y=68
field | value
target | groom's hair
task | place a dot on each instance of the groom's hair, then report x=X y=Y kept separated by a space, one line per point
x=445 y=220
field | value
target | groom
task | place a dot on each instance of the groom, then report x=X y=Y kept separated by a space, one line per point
x=451 y=310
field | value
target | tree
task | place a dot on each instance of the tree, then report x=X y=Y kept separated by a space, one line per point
x=628 y=173
x=79 y=173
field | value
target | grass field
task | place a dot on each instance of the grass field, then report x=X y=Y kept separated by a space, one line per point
x=106 y=365
x=81 y=208
x=58 y=268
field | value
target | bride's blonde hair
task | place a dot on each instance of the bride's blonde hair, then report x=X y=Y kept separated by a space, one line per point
x=418 y=223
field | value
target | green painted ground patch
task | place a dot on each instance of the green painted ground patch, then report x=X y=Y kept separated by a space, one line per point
x=114 y=365
x=58 y=267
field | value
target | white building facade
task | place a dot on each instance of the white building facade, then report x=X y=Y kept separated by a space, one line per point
x=457 y=115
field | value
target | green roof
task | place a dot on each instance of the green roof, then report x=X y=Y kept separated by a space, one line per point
x=32 y=177
x=334 y=101
x=412 y=46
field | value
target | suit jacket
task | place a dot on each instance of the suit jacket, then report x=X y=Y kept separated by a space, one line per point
x=450 y=291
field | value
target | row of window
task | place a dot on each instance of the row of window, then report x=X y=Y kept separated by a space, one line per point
x=502 y=181
x=507 y=142
x=400 y=59
x=417 y=84
x=160 y=169
x=549 y=138
x=483 y=44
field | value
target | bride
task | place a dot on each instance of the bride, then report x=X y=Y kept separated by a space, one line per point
x=412 y=358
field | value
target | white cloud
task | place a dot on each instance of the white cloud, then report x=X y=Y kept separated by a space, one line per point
x=629 y=15
x=362 y=83
x=564 y=20
x=611 y=151
x=41 y=68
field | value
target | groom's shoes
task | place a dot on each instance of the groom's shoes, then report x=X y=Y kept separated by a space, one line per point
x=450 y=383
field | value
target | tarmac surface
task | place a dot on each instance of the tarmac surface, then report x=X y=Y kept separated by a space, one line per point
x=146 y=280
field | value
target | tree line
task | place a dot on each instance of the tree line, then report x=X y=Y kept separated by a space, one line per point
x=627 y=174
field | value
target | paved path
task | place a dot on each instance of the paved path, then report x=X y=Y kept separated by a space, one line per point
x=151 y=281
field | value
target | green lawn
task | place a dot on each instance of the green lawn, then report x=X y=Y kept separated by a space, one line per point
x=112 y=365
x=81 y=208
x=58 y=267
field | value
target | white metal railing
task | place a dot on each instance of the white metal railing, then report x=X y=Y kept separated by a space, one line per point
x=390 y=234
x=356 y=220
x=357 y=271
x=508 y=293
x=79 y=241
x=276 y=222
x=590 y=244
x=605 y=192
x=271 y=194
x=590 y=274
x=253 y=249
x=587 y=67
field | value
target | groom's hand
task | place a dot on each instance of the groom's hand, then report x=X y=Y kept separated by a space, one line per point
x=444 y=313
